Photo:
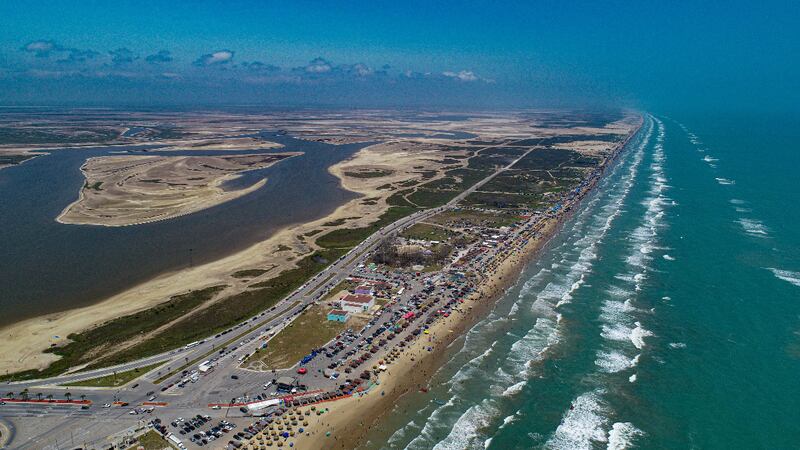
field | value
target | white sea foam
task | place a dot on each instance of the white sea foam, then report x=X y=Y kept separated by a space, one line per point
x=638 y=334
x=632 y=378
x=753 y=227
x=614 y=361
x=582 y=425
x=709 y=159
x=402 y=433
x=786 y=275
x=677 y=345
x=668 y=257
x=725 y=181
x=622 y=436
x=465 y=431
x=514 y=389
x=737 y=201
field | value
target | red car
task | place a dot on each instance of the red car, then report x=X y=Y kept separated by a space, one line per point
x=302 y=371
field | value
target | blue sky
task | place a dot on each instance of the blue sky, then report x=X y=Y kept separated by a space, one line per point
x=446 y=53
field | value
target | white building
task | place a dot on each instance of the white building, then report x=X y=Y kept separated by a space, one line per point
x=357 y=303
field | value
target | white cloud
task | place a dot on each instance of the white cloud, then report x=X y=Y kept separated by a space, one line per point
x=464 y=75
x=217 y=58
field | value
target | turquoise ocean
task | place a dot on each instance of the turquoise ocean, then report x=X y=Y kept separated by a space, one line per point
x=665 y=314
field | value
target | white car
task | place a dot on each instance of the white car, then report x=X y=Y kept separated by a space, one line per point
x=107 y=405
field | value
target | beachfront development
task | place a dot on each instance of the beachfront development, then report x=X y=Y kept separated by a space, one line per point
x=302 y=337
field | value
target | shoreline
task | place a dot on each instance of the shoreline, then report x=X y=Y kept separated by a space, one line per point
x=344 y=427
x=22 y=343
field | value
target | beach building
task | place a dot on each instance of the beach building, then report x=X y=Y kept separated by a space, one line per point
x=357 y=303
x=338 y=315
x=363 y=290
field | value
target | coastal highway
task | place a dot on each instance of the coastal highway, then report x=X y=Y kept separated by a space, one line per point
x=219 y=385
x=304 y=295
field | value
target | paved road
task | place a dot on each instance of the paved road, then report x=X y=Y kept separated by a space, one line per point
x=218 y=386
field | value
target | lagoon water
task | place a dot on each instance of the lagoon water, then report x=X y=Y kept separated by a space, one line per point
x=666 y=314
x=46 y=266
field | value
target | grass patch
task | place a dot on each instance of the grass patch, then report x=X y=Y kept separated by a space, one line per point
x=118 y=379
x=86 y=345
x=370 y=173
x=398 y=198
x=428 y=198
x=151 y=441
x=347 y=238
x=426 y=232
x=231 y=310
x=473 y=217
x=309 y=331
x=344 y=285
x=503 y=200
x=248 y=273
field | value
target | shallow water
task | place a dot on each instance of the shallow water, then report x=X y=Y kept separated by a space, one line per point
x=666 y=314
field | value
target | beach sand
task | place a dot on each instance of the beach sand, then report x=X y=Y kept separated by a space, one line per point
x=132 y=190
x=22 y=344
x=349 y=420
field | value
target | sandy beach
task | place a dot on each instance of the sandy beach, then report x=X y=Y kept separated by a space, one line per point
x=349 y=420
x=22 y=344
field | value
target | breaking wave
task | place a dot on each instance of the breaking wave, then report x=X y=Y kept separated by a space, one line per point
x=786 y=275
x=753 y=227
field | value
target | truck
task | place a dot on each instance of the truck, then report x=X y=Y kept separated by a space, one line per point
x=174 y=439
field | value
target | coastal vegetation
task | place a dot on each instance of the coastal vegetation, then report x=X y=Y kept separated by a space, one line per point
x=88 y=347
x=369 y=173
x=249 y=273
x=347 y=238
x=12 y=160
x=151 y=440
x=57 y=136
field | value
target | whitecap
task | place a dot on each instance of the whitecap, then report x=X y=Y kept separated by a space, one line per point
x=786 y=275
x=582 y=424
x=465 y=430
x=622 y=435
x=638 y=334
x=725 y=181
x=753 y=227
x=668 y=257
x=677 y=345
x=614 y=361
x=514 y=389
